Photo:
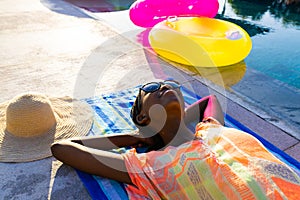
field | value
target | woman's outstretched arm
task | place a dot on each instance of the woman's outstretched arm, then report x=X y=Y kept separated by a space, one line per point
x=109 y=141
x=208 y=106
x=93 y=161
x=90 y=153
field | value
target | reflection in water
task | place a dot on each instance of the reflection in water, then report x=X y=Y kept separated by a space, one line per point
x=251 y=28
x=226 y=76
x=102 y=5
x=258 y=8
x=287 y=10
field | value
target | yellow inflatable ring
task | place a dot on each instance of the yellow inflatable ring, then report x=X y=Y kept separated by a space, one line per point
x=200 y=41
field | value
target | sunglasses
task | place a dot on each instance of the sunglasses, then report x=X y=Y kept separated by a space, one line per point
x=153 y=87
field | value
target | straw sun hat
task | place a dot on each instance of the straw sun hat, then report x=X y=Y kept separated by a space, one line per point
x=29 y=123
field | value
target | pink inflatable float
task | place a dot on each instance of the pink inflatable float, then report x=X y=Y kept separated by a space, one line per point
x=147 y=13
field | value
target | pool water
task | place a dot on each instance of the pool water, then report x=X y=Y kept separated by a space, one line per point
x=272 y=79
x=276 y=52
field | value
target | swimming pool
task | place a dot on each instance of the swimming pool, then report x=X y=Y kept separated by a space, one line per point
x=272 y=78
x=276 y=51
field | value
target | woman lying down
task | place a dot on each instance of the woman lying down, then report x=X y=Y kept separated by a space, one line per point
x=213 y=162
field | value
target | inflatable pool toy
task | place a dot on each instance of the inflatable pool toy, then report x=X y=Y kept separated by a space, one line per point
x=147 y=13
x=200 y=41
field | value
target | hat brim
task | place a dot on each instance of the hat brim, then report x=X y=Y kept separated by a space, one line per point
x=73 y=118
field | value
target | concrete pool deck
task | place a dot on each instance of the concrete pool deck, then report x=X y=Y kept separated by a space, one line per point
x=53 y=47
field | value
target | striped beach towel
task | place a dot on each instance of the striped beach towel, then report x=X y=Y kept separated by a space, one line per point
x=112 y=113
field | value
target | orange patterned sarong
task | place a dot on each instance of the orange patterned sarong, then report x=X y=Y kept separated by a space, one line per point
x=221 y=163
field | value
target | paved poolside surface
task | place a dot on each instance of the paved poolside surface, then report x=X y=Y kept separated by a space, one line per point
x=55 y=48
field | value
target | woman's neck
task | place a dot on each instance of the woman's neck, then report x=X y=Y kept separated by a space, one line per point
x=181 y=134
